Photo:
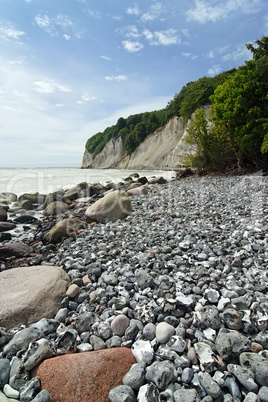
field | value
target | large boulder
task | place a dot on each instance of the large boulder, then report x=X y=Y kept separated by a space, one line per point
x=17 y=249
x=28 y=294
x=63 y=228
x=51 y=197
x=8 y=197
x=5 y=226
x=84 y=377
x=3 y=214
x=113 y=206
x=55 y=208
x=35 y=198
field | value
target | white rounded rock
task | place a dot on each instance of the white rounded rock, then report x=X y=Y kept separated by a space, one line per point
x=163 y=332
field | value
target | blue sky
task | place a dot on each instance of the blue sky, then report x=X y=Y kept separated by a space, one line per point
x=70 y=68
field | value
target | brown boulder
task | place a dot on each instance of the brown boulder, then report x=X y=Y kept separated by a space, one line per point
x=63 y=228
x=3 y=214
x=30 y=293
x=84 y=377
x=5 y=226
x=137 y=191
x=55 y=208
x=17 y=249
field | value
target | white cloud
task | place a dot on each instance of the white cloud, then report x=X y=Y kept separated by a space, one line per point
x=133 y=10
x=240 y=53
x=106 y=58
x=132 y=46
x=117 y=78
x=50 y=86
x=165 y=38
x=62 y=22
x=94 y=13
x=189 y=56
x=206 y=10
x=44 y=22
x=154 y=12
x=8 y=32
x=86 y=98
x=214 y=70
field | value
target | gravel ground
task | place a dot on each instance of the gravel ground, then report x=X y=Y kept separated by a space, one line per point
x=185 y=275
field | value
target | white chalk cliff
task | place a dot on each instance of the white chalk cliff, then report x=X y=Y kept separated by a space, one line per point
x=164 y=149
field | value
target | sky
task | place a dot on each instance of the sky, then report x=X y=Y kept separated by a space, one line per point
x=71 y=68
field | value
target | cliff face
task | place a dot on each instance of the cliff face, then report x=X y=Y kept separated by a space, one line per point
x=164 y=149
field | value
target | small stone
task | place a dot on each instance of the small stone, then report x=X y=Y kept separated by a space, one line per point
x=207 y=358
x=160 y=373
x=135 y=378
x=263 y=394
x=251 y=397
x=30 y=389
x=209 y=385
x=186 y=395
x=143 y=351
x=192 y=356
x=4 y=372
x=244 y=376
x=233 y=388
x=122 y=393
x=21 y=340
x=149 y=331
x=148 y=393
x=11 y=392
x=187 y=375
x=43 y=396
x=42 y=352
x=230 y=343
x=72 y=290
x=164 y=331
x=232 y=319
x=212 y=295
x=97 y=342
x=177 y=343
x=256 y=347
x=120 y=324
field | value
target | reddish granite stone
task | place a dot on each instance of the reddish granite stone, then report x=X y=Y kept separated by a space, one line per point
x=84 y=377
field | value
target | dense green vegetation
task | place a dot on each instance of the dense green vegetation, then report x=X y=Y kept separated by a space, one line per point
x=237 y=134
x=136 y=128
x=238 y=137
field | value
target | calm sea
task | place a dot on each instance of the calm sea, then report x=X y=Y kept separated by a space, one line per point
x=44 y=181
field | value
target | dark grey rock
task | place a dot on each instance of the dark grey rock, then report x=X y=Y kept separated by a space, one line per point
x=232 y=319
x=160 y=373
x=30 y=389
x=244 y=376
x=21 y=340
x=122 y=393
x=43 y=396
x=263 y=394
x=4 y=372
x=135 y=378
x=230 y=343
x=186 y=395
x=148 y=393
x=18 y=376
x=209 y=385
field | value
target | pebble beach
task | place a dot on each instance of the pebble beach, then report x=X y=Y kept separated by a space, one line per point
x=181 y=282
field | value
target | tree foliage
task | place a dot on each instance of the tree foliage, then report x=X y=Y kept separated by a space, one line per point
x=239 y=135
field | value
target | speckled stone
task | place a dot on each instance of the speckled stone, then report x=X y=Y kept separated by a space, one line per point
x=85 y=376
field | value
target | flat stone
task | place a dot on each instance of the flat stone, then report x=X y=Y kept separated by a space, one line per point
x=186 y=395
x=5 y=226
x=85 y=376
x=30 y=293
x=209 y=385
x=21 y=340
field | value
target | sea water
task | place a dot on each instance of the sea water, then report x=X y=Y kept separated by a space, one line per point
x=46 y=180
